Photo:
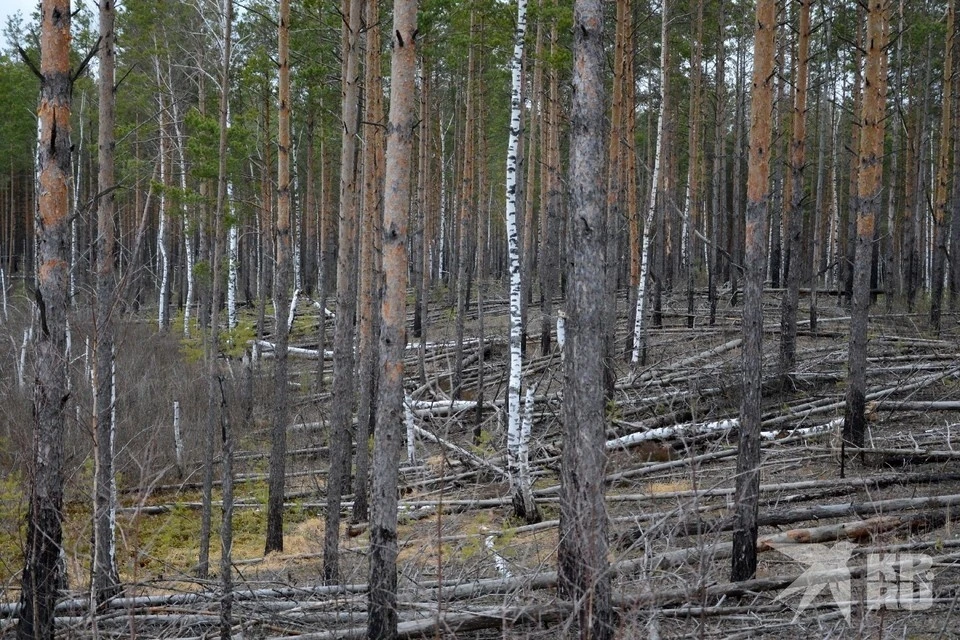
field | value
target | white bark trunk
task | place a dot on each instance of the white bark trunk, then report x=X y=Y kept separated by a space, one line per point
x=164 y=260
x=3 y=288
x=187 y=232
x=638 y=326
x=443 y=201
x=293 y=309
x=78 y=177
x=232 y=264
x=177 y=439
x=561 y=330
x=411 y=432
x=517 y=463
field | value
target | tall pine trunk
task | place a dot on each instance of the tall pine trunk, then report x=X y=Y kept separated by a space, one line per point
x=744 y=563
x=941 y=192
x=382 y=615
x=869 y=189
x=343 y=357
x=41 y=578
x=105 y=580
x=582 y=556
x=792 y=264
x=281 y=296
x=370 y=277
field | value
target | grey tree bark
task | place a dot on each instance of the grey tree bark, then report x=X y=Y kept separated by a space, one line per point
x=105 y=578
x=344 y=376
x=582 y=555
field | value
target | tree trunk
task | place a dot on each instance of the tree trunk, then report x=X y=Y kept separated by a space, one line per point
x=216 y=259
x=639 y=327
x=382 y=615
x=582 y=556
x=869 y=191
x=105 y=579
x=941 y=202
x=226 y=516
x=719 y=195
x=758 y=193
x=466 y=223
x=370 y=277
x=42 y=573
x=344 y=377
x=798 y=148
x=523 y=503
x=281 y=296
x=692 y=205
x=551 y=199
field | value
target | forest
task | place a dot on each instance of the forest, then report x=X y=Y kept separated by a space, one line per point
x=479 y=319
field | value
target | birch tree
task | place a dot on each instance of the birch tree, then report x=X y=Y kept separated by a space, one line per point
x=382 y=613
x=869 y=191
x=105 y=580
x=639 y=335
x=42 y=577
x=278 y=438
x=517 y=451
x=582 y=556
x=758 y=193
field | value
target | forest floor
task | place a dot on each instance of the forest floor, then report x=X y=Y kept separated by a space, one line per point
x=470 y=569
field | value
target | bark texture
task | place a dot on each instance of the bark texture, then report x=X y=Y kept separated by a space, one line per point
x=869 y=190
x=758 y=193
x=343 y=357
x=582 y=555
x=382 y=617
x=42 y=573
x=278 y=436
x=105 y=581
x=523 y=503
x=794 y=226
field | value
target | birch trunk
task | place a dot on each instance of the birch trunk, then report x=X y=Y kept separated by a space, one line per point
x=163 y=234
x=523 y=502
x=639 y=327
